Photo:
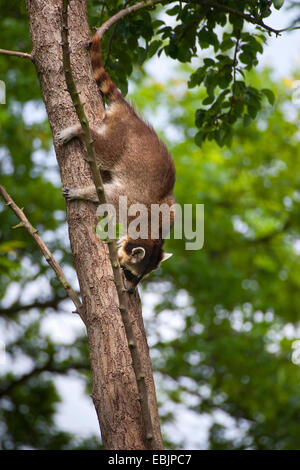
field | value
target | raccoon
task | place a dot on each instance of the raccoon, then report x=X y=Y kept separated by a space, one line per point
x=134 y=163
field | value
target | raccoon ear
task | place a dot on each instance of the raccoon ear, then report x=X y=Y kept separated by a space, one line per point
x=138 y=253
x=166 y=256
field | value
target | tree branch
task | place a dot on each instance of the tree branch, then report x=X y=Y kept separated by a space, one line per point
x=126 y=11
x=22 y=55
x=46 y=252
x=118 y=278
x=18 y=307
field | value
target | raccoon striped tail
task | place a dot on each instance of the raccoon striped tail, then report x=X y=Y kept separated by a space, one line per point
x=104 y=82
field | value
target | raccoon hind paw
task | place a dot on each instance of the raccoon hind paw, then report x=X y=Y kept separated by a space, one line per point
x=67 y=134
x=70 y=194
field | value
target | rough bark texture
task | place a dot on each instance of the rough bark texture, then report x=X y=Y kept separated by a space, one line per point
x=115 y=392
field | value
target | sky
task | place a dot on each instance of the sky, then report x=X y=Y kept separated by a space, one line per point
x=76 y=412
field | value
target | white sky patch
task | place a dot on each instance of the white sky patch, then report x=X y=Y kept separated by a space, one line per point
x=187 y=430
x=239 y=225
x=189 y=424
x=46 y=162
x=296 y=352
x=19 y=367
x=63 y=327
x=167 y=325
x=34 y=112
x=76 y=413
x=297 y=246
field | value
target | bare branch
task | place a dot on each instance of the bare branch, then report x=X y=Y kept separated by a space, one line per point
x=22 y=55
x=49 y=366
x=246 y=16
x=121 y=291
x=46 y=252
x=126 y=11
x=18 y=307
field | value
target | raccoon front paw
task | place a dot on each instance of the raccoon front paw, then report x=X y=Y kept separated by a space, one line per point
x=70 y=194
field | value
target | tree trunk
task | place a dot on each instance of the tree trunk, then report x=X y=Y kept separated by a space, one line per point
x=115 y=392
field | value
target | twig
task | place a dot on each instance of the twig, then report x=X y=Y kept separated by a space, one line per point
x=236 y=50
x=234 y=67
x=22 y=55
x=49 y=366
x=118 y=279
x=46 y=252
x=102 y=10
x=112 y=36
x=246 y=16
x=110 y=45
x=18 y=307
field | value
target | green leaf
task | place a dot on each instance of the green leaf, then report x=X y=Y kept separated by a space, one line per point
x=210 y=99
x=199 y=137
x=200 y=117
x=227 y=43
x=208 y=62
x=278 y=4
x=173 y=11
x=172 y=50
x=246 y=120
x=157 y=23
x=269 y=94
x=252 y=110
x=153 y=47
x=142 y=55
x=197 y=77
x=184 y=54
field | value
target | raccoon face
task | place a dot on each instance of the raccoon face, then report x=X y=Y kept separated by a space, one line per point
x=138 y=258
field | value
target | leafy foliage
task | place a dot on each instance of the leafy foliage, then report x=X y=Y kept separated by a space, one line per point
x=227 y=37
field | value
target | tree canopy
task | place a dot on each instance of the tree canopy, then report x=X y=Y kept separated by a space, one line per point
x=231 y=35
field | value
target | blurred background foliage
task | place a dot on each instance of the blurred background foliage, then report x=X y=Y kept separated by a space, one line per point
x=222 y=322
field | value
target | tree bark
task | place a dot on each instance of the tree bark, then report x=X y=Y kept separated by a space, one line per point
x=115 y=393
